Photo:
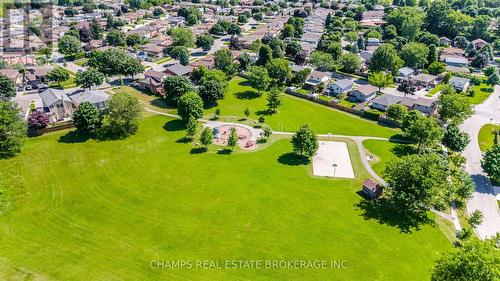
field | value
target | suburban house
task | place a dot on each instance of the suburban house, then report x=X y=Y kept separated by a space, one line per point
x=363 y=93
x=444 y=41
x=153 y=50
x=13 y=74
x=207 y=61
x=423 y=105
x=56 y=104
x=97 y=98
x=94 y=44
x=459 y=83
x=340 y=87
x=371 y=189
x=456 y=61
x=424 y=80
x=153 y=81
x=479 y=43
x=370 y=42
x=405 y=73
x=317 y=77
x=178 y=70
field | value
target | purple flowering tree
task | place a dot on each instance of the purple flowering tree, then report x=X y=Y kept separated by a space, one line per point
x=38 y=120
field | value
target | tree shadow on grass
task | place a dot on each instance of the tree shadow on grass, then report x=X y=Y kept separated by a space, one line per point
x=158 y=102
x=265 y=112
x=174 y=125
x=198 y=150
x=74 y=137
x=384 y=211
x=247 y=95
x=292 y=159
x=184 y=139
x=245 y=84
x=225 y=151
x=487 y=90
x=401 y=150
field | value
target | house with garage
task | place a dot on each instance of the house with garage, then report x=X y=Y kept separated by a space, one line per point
x=444 y=41
x=460 y=84
x=405 y=73
x=424 y=80
x=362 y=93
x=479 y=43
x=98 y=99
x=426 y=106
x=456 y=61
x=153 y=82
x=178 y=70
x=57 y=105
x=317 y=77
x=383 y=102
x=340 y=87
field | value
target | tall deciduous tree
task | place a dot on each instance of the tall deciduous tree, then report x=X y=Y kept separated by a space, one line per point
x=491 y=162
x=122 y=118
x=175 y=87
x=7 y=88
x=69 y=45
x=211 y=91
x=380 y=79
x=88 y=78
x=12 y=130
x=190 y=105
x=258 y=78
x=206 y=137
x=233 y=138
x=386 y=58
x=87 y=118
x=453 y=107
x=423 y=130
x=58 y=75
x=273 y=100
x=454 y=139
x=305 y=141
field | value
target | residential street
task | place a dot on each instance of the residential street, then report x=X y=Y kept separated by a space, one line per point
x=484 y=197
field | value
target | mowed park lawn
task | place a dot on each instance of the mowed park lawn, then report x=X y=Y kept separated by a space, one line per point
x=103 y=210
x=293 y=113
x=486 y=136
x=383 y=152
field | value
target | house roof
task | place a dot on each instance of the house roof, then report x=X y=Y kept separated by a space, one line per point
x=386 y=100
x=156 y=75
x=90 y=96
x=422 y=77
x=460 y=60
x=406 y=71
x=10 y=73
x=179 y=69
x=343 y=83
x=458 y=82
x=51 y=96
x=479 y=41
x=366 y=90
x=371 y=184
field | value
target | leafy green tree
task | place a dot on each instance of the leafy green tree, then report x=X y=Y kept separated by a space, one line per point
x=58 y=75
x=489 y=70
x=223 y=60
x=181 y=53
x=265 y=55
x=259 y=78
x=415 y=54
x=493 y=79
x=122 y=118
x=386 y=58
x=116 y=38
x=406 y=87
x=191 y=127
x=279 y=70
x=205 y=42
x=182 y=37
x=88 y=78
x=288 y=31
x=134 y=40
x=349 y=62
x=7 y=88
x=12 y=130
x=436 y=68
x=69 y=45
x=453 y=107
x=245 y=61
x=247 y=112
x=397 y=112
x=322 y=61
x=476 y=218
x=300 y=77
x=491 y=162
x=273 y=100
x=380 y=79
x=454 y=139
x=437 y=17
x=233 y=138
x=87 y=118
x=115 y=62
x=305 y=141
x=480 y=26
x=206 y=137
x=190 y=104
x=410 y=28
x=211 y=91
x=423 y=130
x=175 y=87
x=474 y=260
x=293 y=48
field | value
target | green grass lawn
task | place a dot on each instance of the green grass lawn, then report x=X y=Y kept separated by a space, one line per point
x=293 y=113
x=163 y=60
x=81 y=62
x=103 y=210
x=383 y=152
x=487 y=136
x=482 y=92
x=434 y=91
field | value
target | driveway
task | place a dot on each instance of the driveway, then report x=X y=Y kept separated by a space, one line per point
x=483 y=198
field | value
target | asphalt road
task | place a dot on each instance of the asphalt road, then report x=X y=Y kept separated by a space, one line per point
x=483 y=198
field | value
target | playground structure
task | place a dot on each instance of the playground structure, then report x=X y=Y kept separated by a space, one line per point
x=245 y=136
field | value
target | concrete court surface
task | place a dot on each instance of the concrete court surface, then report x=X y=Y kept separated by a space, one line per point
x=330 y=153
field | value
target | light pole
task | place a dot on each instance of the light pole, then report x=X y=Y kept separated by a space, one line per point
x=334 y=165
